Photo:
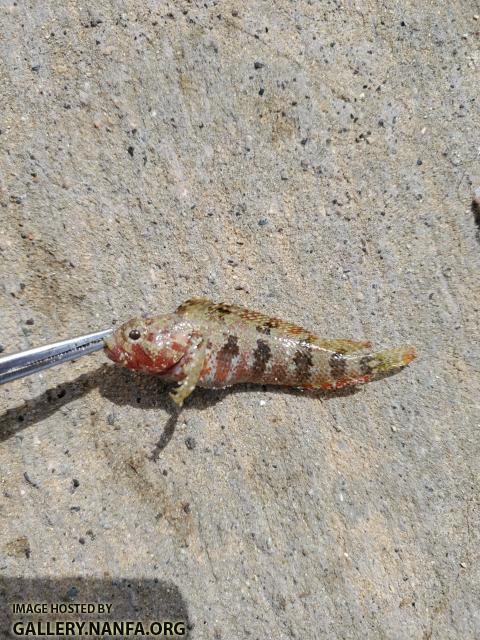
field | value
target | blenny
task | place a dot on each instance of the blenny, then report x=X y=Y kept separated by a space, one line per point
x=218 y=345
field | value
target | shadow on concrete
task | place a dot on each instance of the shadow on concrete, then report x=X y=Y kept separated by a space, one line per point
x=148 y=600
x=476 y=216
x=126 y=387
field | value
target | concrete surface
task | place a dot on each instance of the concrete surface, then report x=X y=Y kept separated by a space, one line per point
x=314 y=160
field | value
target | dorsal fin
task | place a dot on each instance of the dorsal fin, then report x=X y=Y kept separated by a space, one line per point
x=265 y=324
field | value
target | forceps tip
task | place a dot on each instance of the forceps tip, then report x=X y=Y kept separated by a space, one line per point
x=24 y=363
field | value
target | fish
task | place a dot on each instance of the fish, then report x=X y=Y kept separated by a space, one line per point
x=218 y=345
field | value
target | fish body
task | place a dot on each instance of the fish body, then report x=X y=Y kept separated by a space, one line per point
x=218 y=345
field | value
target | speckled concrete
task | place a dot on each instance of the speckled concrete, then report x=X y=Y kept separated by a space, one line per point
x=314 y=160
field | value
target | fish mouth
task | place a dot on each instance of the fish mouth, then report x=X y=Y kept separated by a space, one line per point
x=109 y=342
x=112 y=350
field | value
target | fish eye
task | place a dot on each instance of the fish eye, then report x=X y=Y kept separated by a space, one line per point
x=134 y=334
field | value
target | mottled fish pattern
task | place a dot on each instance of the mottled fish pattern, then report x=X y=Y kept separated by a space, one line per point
x=218 y=345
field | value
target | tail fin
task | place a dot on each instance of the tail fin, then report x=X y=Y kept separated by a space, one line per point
x=387 y=361
x=374 y=365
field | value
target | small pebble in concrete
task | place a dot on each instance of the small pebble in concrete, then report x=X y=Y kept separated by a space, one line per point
x=72 y=592
x=190 y=443
x=29 y=480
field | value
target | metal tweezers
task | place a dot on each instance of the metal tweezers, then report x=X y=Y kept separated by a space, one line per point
x=31 y=361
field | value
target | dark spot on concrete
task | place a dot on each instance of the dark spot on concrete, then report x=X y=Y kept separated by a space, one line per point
x=72 y=593
x=338 y=365
x=81 y=540
x=258 y=65
x=190 y=443
x=30 y=321
x=130 y=150
x=76 y=483
x=303 y=363
x=18 y=548
x=476 y=216
x=2 y=348
x=261 y=355
x=261 y=91
x=30 y=482
x=262 y=222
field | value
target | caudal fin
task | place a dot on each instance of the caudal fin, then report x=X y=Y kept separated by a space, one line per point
x=387 y=361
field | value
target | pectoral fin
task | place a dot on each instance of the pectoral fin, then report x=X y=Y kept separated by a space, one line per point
x=193 y=364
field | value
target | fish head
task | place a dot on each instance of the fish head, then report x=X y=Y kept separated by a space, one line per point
x=154 y=344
